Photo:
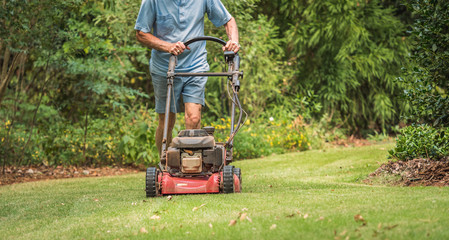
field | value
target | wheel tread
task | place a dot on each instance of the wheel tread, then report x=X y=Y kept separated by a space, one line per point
x=228 y=179
x=150 y=182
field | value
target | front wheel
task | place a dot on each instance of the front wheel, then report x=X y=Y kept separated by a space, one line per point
x=151 y=182
x=228 y=179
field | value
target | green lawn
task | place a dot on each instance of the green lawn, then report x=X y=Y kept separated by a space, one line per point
x=307 y=195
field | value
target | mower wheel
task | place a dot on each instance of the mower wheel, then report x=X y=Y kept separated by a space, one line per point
x=238 y=173
x=151 y=182
x=228 y=179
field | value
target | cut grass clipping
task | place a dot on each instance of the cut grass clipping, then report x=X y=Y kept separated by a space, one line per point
x=307 y=195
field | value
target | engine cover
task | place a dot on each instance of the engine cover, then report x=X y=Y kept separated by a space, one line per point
x=191 y=163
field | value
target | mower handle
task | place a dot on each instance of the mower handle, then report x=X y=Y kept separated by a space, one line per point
x=204 y=38
x=229 y=56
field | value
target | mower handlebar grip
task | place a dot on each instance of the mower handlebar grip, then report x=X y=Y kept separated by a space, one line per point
x=205 y=38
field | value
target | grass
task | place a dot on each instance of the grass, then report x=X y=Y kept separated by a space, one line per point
x=306 y=195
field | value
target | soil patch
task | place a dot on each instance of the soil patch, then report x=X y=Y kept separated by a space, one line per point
x=28 y=174
x=417 y=172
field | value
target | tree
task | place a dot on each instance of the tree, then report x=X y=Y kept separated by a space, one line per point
x=348 y=53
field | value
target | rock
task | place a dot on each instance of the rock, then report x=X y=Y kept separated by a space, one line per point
x=19 y=171
x=30 y=171
x=76 y=172
x=86 y=172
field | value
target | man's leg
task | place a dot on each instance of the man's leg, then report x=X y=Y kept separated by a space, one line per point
x=160 y=130
x=193 y=115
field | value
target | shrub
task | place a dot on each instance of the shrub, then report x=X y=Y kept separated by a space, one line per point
x=118 y=138
x=421 y=141
x=264 y=136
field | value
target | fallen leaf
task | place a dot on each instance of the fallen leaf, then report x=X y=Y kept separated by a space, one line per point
x=62 y=203
x=232 y=222
x=243 y=216
x=96 y=200
x=359 y=218
x=273 y=226
x=249 y=219
x=270 y=186
x=244 y=209
x=143 y=230
x=306 y=215
x=196 y=208
x=169 y=198
x=210 y=225
x=155 y=217
x=391 y=227
x=320 y=219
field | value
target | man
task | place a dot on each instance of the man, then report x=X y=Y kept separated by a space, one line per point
x=164 y=25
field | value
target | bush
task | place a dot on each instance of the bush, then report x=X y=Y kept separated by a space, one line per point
x=421 y=141
x=264 y=136
x=119 y=138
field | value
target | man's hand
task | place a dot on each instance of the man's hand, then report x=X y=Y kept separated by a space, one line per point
x=233 y=35
x=177 y=48
x=232 y=46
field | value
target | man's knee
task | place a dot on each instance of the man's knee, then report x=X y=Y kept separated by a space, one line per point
x=193 y=119
x=193 y=115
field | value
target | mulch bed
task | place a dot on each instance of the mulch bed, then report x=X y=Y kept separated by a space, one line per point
x=351 y=141
x=417 y=172
x=28 y=174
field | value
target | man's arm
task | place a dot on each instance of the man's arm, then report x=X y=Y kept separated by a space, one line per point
x=233 y=35
x=150 y=41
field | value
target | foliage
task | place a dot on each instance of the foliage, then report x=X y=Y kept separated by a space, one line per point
x=421 y=141
x=266 y=135
x=427 y=84
x=428 y=74
x=74 y=81
x=82 y=66
x=137 y=143
x=261 y=53
x=349 y=53
x=122 y=137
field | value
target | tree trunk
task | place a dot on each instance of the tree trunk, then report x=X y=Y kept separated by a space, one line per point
x=8 y=69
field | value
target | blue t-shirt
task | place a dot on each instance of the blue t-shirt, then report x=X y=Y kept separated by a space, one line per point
x=180 y=20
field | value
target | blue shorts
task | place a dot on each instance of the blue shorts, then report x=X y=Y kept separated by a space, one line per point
x=191 y=88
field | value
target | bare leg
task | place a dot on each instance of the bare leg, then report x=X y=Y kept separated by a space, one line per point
x=193 y=115
x=160 y=130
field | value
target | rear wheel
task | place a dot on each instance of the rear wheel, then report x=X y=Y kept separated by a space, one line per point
x=151 y=182
x=228 y=179
x=238 y=173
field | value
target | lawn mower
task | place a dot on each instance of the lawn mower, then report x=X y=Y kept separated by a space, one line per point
x=194 y=162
